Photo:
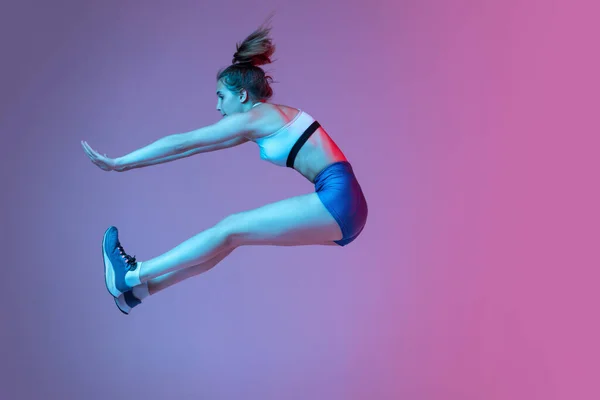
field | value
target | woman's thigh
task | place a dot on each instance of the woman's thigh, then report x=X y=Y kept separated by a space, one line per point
x=297 y=221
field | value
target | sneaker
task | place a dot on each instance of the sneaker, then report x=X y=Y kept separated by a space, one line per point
x=126 y=301
x=116 y=263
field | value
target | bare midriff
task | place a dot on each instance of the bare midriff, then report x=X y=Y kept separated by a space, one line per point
x=319 y=151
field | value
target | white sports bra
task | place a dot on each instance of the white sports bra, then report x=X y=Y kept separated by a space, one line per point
x=281 y=146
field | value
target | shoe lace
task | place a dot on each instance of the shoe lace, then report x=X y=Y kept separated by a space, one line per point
x=131 y=261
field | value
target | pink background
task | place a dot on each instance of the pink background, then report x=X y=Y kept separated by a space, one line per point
x=469 y=124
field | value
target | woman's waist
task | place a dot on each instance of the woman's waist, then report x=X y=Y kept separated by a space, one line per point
x=310 y=165
x=338 y=175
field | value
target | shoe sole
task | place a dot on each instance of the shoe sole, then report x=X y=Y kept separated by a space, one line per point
x=109 y=272
x=119 y=307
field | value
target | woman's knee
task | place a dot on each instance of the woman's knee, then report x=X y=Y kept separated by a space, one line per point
x=229 y=229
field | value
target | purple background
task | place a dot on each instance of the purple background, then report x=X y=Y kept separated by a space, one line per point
x=469 y=125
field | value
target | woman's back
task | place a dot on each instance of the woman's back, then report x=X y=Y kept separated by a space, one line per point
x=280 y=127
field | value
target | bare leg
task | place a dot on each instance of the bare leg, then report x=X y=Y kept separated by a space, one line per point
x=193 y=252
x=169 y=279
x=298 y=221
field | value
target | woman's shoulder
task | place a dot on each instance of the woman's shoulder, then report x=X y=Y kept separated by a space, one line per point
x=273 y=117
x=282 y=110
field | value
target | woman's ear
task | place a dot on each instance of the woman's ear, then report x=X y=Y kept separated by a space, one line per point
x=243 y=96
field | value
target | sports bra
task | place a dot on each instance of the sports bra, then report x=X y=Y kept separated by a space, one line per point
x=282 y=146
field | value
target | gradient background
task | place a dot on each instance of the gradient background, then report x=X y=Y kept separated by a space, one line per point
x=470 y=127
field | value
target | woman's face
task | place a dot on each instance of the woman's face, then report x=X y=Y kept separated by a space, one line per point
x=228 y=102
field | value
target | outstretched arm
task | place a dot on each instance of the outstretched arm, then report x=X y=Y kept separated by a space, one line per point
x=228 y=132
x=231 y=128
x=204 y=149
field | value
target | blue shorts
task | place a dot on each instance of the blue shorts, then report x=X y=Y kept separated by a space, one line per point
x=338 y=189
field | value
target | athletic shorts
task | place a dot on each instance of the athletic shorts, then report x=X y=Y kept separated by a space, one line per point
x=338 y=189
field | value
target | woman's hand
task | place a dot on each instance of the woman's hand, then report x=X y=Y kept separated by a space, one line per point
x=102 y=161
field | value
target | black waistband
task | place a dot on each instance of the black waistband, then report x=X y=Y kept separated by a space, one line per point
x=300 y=142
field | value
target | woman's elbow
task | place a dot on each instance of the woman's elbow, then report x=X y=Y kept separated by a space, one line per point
x=179 y=143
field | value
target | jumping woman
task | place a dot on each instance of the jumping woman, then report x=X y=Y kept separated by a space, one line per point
x=334 y=214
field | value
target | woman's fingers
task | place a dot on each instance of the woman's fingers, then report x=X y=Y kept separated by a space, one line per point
x=96 y=158
x=88 y=150
x=90 y=154
x=93 y=154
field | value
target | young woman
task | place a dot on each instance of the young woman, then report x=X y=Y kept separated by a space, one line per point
x=334 y=214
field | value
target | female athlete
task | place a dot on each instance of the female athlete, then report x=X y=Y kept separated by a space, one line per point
x=335 y=214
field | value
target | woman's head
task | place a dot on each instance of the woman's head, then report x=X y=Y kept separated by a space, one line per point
x=244 y=82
